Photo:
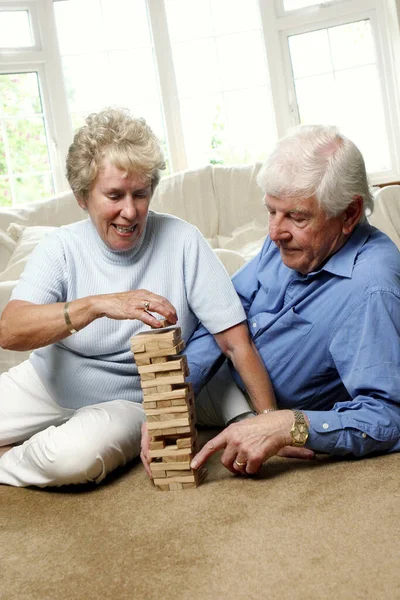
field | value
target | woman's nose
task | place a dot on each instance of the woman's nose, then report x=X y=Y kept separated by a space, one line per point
x=129 y=209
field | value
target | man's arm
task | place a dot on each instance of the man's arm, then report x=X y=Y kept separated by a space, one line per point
x=366 y=352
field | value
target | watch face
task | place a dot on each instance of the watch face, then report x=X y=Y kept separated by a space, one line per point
x=300 y=433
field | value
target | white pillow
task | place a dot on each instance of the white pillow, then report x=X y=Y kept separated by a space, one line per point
x=26 y=239
x=7 y=247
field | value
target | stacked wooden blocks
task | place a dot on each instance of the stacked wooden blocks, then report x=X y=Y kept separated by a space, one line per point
x=168 y=402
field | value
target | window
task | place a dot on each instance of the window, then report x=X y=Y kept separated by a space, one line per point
x=25 y=170
x=33 y=135
x=338 y=70
x=217 y=80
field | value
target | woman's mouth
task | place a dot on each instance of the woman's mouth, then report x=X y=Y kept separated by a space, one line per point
x=124 y=230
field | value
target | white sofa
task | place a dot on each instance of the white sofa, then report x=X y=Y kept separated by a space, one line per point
x=225 y=203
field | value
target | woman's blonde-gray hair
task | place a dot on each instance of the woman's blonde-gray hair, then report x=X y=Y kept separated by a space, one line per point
x=128 y=142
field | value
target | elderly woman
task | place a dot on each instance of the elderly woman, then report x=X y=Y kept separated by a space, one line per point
x=72 y=413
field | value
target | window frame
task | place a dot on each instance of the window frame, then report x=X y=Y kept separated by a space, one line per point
x=44 y=59
x=340 y=12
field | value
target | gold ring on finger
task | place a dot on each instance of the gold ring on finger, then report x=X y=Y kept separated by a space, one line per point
x=146 y=304
x=240 y=464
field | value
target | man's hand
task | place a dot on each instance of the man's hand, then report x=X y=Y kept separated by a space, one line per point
x=248 y=444
x=145 y=450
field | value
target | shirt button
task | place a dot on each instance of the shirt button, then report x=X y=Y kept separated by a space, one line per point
x=254 y=324
x=325 y=425
x=364 y=435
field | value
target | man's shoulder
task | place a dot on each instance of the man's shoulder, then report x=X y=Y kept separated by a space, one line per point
x=378 y=262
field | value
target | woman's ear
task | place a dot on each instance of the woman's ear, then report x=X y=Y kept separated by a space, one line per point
x=81 y=202
x=353 y=214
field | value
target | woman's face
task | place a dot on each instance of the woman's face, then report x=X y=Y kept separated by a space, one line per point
x=118 y=205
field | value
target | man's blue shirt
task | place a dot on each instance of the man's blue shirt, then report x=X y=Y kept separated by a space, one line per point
x=330 y=341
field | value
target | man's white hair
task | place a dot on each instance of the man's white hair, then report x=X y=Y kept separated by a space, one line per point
x=317 y=160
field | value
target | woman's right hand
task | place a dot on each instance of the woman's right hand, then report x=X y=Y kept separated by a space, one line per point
x=138 y=304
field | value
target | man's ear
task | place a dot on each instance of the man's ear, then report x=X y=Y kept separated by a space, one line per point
x=353 y=214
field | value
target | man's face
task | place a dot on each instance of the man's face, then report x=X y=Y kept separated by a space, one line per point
x=305 y=236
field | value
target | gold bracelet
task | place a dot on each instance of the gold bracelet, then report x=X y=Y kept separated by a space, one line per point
x=267 y=410
x=71 y=328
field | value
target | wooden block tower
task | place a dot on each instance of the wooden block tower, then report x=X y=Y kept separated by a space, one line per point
x=168 y=402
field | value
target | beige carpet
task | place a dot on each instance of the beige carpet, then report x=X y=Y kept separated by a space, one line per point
x=322 y=529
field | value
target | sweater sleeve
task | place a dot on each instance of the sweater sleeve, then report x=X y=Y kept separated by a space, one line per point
x=210 y=292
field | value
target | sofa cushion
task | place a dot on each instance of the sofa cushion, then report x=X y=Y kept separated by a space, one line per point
x=60 y=210
x=25 y=239
x=386 y=214
x=7 y=247
x=190 y=196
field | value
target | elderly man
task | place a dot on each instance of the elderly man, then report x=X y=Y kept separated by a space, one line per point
x=323 y=305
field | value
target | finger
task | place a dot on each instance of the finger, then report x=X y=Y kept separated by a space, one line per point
x=239 y=465
x=212 y=446
x=253 y=466
x=154 y=303
x=293 y=452
x=146 y=465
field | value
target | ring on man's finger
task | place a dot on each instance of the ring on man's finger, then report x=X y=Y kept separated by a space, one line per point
x=146 y=304
x=240 y=464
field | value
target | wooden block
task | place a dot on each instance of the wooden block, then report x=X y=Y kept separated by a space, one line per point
x=164 y=488
x=186 y=486
x=165 y=323
x=170 y=451
x=177 y=393
x=157 y=447
x=149 y=405
x=155 y=336
x=169 y=431
x=164 y=388
x=144 y=358
x=186 y=429
x=178 y=378
x=174 y=487
x=148 y=377
x=175 y=423
x=177 y=459
x=167 y=411
x=164 y=403
x=156 y=467
x=184 y=442
x=177 y=479
x=149 y=391
x=158 y=360
x=168 y=365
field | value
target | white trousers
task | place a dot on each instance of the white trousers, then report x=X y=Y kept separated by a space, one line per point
x=58 y=446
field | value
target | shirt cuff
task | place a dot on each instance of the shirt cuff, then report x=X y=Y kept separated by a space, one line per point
x=324 y=431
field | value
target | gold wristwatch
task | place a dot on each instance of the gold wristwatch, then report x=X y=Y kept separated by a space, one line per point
x=299 y=431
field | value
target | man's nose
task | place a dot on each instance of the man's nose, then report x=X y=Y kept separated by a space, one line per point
x=277 y=229
x=128 y=209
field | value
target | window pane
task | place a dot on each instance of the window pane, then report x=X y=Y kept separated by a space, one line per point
x=114 y=64
x=15 y=30
x=19 y=94
x=3 y=163
x=27 y=144
x=24 y=155
x=33 y=188
x=5 y=193
x=222 y=80
x=336 y=81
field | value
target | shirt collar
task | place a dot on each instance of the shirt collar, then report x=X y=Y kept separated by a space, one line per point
x=342 y=262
